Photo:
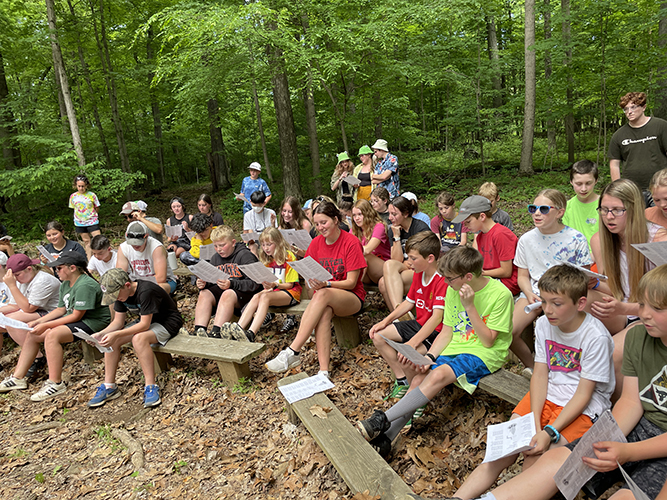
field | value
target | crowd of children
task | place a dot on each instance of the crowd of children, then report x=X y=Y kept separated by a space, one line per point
x=460 y=289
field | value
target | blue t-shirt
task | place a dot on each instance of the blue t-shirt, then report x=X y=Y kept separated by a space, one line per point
x=251 y=185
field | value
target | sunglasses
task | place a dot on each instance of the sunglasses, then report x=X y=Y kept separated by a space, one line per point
x=139 y=236
x=544 y=209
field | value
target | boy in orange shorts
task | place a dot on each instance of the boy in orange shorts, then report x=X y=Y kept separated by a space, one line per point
x=573 y=378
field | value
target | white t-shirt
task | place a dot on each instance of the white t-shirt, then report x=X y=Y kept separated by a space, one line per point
x=101 y=267
x=141 y=263
x=584 y=353
x=5 y=294
x=258 y=222
x=42 y=291
x=537 y=252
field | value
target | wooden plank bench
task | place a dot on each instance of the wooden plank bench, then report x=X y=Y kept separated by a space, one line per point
x=346 y=328
x=355 y=460
x=505 y=385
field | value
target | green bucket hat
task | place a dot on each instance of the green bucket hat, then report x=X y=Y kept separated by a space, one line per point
x=343 y=156
x=365 y=150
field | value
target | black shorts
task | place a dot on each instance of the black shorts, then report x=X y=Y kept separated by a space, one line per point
x=410 y=328
x=86 y=229
x=242 y=297
x=81 y=326
x=293 y=301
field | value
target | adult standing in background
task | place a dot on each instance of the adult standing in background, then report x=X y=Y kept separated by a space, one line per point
x=386 y=169
x=641 y=144
x=364 y=172
x=254 y=183
x=343 y=189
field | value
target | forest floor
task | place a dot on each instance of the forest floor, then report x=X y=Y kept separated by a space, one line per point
x=208 y=440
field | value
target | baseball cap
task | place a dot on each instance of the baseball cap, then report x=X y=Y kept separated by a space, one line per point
x=472 y=205
x=69 y=258
x=20 y=261
x=409 y=196
x=111 y=283
x=135 y=234
x=129 y=207
x=255 y=166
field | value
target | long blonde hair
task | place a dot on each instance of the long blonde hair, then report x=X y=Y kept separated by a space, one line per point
x=636 y=231
x=281 y=252
x=371 y=218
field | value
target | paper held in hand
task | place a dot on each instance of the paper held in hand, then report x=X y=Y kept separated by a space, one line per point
x=299 y=238
x=190 y=234
x=171 y=231
x=573 y=474
x=409 y=352
x=587 y=272
x=13 y=323
x=78 y=332
x=45 y=253
x=530 y=308
x=352 y=180
x=241 y=197
x=205 y=271
x=258 y=272
x=6 y=238
x=310 y=269
x=251 y=236
x=656 y=252
x=207 y=251
x=305 y=388
x=509 y=438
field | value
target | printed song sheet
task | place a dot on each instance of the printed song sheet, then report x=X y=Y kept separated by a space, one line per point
x=587 y=272
x=78 y=332
x=636 y=490
x=251 y=236
x=310 y=269
x=14 y=323
x=409 y=352
x=352 y=180
x=299 y=238
x=258 y=272
x=241 y=197
x=656 y=252
x=171 y=231
x=205 y=271
x=530 y=308
x=45 y=253
x=207 y=251
x=573 y=474
x=509 y=438
x=305 y=388
x=190 y=234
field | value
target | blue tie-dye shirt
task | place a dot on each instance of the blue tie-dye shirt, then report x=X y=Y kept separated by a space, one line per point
x=392 y=184
x=251 y=185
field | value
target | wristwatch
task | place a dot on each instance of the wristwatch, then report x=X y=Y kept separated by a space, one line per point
x=328 y=284
x=397 y=238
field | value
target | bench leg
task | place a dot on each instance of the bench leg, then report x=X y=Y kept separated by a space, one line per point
x=161 y=362
x=90 y=353
x=232 y=372
x=347 y=331
x=291 y=414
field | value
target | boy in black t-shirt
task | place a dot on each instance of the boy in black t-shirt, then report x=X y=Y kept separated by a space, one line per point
x=159 y=321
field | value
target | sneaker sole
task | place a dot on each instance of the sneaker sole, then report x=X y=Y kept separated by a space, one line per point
x=225 y=332
x=153 y=404
x=43 y=397
x=362 y=430
x=115 y=395
x=238 y=333
x=13 y=388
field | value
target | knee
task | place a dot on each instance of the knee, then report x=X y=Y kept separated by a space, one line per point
x=140 y=341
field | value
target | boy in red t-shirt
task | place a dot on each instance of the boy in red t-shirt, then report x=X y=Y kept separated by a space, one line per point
x=427 y=295
x=494 y=241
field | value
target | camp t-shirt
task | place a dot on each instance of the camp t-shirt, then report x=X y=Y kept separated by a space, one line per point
x=427 y=296
x=42 y=291
x=286 y=274
x=85 y=295
x=645 y=357
x=583 y=217
x=84 y=205
x=152 y=299
x=495 y=305
x=101 y=267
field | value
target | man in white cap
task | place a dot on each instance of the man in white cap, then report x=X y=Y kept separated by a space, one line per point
x=254 y=183
x=136 y=211
x=386 y=170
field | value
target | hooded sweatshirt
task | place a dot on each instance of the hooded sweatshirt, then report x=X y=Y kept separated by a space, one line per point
x=230 y=265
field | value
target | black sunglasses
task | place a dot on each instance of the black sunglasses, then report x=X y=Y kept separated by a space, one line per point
x=135 y=235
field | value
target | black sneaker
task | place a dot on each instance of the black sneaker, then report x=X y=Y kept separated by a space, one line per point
x=374 y=426
x=36 y=366
x=200 y=332
x=288 y=324
x=268 y=319
x=381 y=444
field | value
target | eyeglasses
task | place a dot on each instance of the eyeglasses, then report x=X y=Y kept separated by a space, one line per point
x=615 y=212
x=449 y=280
x=630 y=109
x=544 y=209
x=139 y=236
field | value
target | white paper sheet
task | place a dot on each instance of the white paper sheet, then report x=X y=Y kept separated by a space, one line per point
x=251 y=236
x=258 y=272
x=299 y=238
x=205 y=271
x=509 y=438
x=207 y=251
x=305 y=388
x=656 y=252
x=190 y=234
x=573 y=474
x=13 y=323
x=310 y=269
x=171 y=231
x=409 y=352
x=531 y=307
x=45 y=253
x=352 y=180
x=6 y=238
x=241 y=197
x=636 y=490
x=78 y=332
x=587 y=272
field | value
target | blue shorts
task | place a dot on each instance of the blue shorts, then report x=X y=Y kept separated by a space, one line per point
x=467 y=368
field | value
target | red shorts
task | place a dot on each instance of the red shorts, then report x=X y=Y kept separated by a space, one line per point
x=550 y=412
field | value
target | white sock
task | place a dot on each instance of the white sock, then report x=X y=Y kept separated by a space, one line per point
x=109 y=386
x=488 y=496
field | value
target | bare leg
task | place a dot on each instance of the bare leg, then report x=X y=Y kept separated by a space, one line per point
x=54 y=350
x=374 y=269
x=204 y=307
x=387 y=352
x=520 y=321
x=85 y=237
x=142 y=347
x=112 y=358
x=228 y=301
x=249 y=311
x=393 y=284
x=29 y=351
x=16 y=334
x=265 y=300
x=483 y=477
x=323 y=338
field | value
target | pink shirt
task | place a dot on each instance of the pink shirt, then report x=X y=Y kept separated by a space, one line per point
x=383 y=250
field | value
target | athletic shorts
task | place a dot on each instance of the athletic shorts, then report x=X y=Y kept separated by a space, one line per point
x=468 y=369
x=81 y=326
x=550 y=412
x=410 y=328
x=293 y=301
x=242 y=297
x=86 y=229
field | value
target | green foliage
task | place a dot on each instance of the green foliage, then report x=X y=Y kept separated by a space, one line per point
x=39 y=477
x=243 y=386
x=178 y=466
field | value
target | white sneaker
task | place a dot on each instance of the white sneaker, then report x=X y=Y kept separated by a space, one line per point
x=48 y=391
x=325 y=373
x=12 y=383
x=283 y=361
x=527 y=373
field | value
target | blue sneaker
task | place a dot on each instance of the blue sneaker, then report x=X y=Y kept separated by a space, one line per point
x=103 y=395
x=151 y=396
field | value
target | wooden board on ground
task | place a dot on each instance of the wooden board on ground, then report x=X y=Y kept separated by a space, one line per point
x=505 y=385
x=231 y=356
x=355 y=460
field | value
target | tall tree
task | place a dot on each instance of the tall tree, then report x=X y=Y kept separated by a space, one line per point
x=569 y=94
x=526 y=164
x=217 y=158
x=661 y=100
x=155 y=108
x=11 y=153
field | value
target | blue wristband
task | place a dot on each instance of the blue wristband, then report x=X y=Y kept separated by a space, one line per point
x=596 y=285
x=554 y=435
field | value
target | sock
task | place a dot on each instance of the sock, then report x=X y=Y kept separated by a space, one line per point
x=109 y=386
x=253 y=334
x=296 y=353
x=215 y=329
x=402 y=381
x=488 y=496
x=401 y=412
x=200 y=326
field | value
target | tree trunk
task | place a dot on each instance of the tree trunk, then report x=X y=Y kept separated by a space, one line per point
x=285 y=120
x=551 y=126
x=660 y=109
x=217 y=159
x=494 y=57
x=155 y=108
x=526 y=165
x=61 y=103
x=258 y=112
x=59 y=68
x=569 y=95
x=10 y=151
x=107 y=71
x=340 y=116
x=377 y=108
x=311 y=122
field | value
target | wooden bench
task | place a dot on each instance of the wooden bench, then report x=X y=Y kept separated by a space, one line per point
x=231 y=356
x=355 y=460
x=346 y=328
x=505 y=385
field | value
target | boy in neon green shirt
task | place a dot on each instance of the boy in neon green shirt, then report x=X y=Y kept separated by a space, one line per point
x=581 y=212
